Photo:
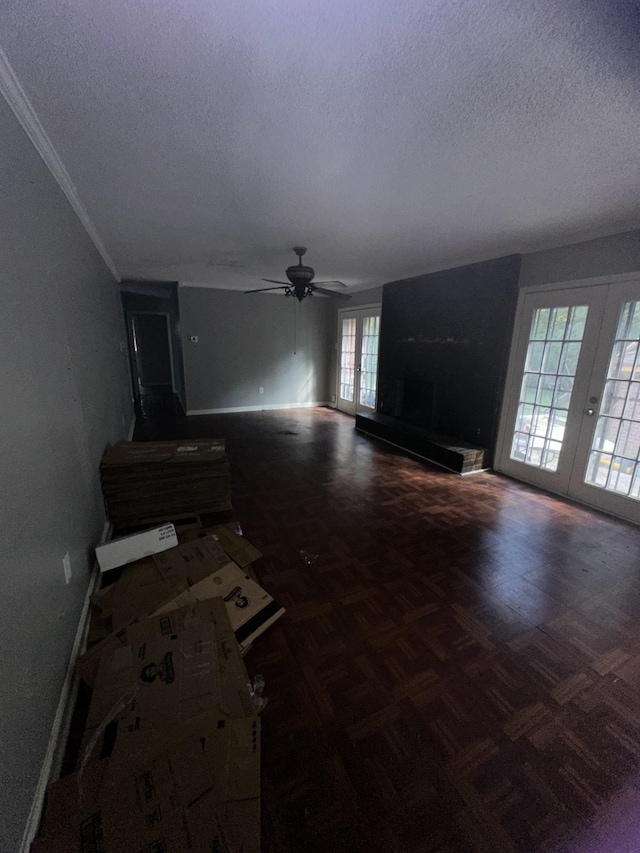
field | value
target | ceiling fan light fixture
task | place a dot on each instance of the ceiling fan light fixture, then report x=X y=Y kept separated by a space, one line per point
x=299 y=273
x=300 y=281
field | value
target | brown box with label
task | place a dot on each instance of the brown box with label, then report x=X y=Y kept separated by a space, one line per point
x=194 y=787
x=195 y=571
x=250 y=608
x=173 y=668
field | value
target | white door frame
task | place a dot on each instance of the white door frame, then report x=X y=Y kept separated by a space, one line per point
x=505 y=431
x=376 y=306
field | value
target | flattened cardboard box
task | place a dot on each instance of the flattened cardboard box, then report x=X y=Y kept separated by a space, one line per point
x=193 y=788
x=174 y=667
x=241 y=551
x=128 y=549
x=140 y=588
x=251 y=609
x=139 y=591
x=162 y=480
x=126 y=453
x=144 y=588
x=193 y=560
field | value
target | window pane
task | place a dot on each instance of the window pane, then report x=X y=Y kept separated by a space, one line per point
x=369 y=361
x=552 y=359
x=534 y=356
x=562 y=394
x=569 y=359
x=348 y=359
x=615 y=449
x=577 y=323
x=540 y=324
x=623 y=358
x=558 y=323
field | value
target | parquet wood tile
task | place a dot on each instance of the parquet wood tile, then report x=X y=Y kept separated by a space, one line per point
x=458 y=670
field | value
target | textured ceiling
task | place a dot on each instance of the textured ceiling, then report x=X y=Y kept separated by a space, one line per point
x=392 y=137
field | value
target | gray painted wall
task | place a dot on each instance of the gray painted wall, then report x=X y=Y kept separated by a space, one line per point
x=246 y=341
x=363 y=297
x=65 y=397
x=607 y=256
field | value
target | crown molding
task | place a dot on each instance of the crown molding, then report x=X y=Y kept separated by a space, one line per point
x=23 y=110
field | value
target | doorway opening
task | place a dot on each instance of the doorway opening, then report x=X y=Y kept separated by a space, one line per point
x=571 y=416
x=155 y=352
x=357 y=369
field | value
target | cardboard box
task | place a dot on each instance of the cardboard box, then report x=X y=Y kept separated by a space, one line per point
x=154 y=453
x=241 y=551
x=128 y=549
x=165 y=480
x=191 y=573
x=173 y=668
x=193 y=560
x=195 y=787
x=250 y=608
x=140 y=590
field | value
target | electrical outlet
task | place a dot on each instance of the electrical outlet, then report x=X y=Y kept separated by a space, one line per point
x=66 y=566
x=261 y=390
x=333 y=398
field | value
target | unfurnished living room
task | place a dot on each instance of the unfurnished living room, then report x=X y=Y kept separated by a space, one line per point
x=320 y=478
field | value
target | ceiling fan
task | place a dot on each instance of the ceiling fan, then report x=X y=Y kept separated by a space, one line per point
x=300 y=278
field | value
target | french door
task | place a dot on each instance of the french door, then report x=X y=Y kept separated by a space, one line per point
x=571 y=419
x=358 y=338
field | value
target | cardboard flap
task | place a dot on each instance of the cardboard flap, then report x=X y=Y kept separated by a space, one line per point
x=168 y=791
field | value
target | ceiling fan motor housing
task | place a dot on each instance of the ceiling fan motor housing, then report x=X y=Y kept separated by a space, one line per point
x=300 y=274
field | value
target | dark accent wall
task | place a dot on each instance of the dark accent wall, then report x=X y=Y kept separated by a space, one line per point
x=449 y=333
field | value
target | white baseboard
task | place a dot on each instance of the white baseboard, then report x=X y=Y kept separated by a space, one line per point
x=56 y=746
x=233 y=409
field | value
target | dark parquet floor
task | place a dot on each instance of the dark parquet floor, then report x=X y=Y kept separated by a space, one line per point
x=458 y=670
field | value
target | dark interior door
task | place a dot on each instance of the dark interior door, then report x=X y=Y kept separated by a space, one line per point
x=151 y=341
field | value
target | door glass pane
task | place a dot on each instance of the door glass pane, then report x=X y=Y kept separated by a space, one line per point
x=348 y=359
x=369 y=361
x=547 y=384
x=615 y=449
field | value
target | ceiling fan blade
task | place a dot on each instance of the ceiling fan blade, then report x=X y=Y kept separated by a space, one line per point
x=336 y=294
x=332 y=283
x=273 y=281
x=262 y=289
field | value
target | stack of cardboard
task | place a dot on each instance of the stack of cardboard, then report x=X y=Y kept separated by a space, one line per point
x=196 y=570
x=155 y=481
x=171 y=757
